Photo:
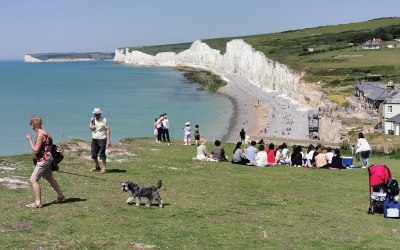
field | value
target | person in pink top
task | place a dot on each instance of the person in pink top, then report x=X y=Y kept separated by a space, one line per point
x=43 y=159
x=155 y=130
x=159 y=127
x=187 y=132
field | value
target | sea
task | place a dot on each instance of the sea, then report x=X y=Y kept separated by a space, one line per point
x=64 y=94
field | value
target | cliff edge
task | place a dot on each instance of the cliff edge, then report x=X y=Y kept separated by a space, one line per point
x=240 y=58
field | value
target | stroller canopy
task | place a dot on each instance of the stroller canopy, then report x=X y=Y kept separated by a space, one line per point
x=379 y=175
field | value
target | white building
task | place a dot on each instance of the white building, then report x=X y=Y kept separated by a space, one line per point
x=391 y=111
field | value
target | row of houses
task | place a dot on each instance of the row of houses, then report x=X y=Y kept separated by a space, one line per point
x=385 y=98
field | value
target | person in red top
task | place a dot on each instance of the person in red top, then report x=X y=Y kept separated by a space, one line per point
x=43 y=160
x=271 y=154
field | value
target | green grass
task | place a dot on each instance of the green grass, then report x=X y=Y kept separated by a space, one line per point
x=208 y=205
x=73 y=55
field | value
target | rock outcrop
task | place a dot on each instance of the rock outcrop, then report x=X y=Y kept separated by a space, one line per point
x=239 y=58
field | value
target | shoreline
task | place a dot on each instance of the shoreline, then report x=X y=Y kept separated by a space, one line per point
x=262 y=114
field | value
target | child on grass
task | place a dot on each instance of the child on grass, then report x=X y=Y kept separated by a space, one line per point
x=187 y=132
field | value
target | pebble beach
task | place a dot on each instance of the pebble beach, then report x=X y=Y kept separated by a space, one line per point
x=262 y=113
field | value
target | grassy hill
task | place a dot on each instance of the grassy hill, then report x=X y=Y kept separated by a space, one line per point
x=209 y=205
x=334 y=62
x=74 y=55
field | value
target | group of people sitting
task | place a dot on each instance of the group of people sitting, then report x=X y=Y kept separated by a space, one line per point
x=217 y=153
x=261 y=156
x=315 y=157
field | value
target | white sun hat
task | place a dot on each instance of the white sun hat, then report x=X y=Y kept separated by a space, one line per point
x=97 y=111
x=187 y=123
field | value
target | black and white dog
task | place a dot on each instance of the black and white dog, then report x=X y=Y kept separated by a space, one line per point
x=139 y=191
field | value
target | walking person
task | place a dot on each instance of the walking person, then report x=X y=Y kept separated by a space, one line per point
x=242 y=135
x=43 y=160
x=187 y=132
x=364 y=148
x=100 y=140
x=165 y=127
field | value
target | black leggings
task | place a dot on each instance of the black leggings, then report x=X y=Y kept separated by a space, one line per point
x=165 y=133
x=159 y=133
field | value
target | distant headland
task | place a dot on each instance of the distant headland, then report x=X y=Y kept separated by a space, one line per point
x=68 y=57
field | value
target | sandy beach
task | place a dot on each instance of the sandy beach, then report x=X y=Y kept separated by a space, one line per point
x=262 y=114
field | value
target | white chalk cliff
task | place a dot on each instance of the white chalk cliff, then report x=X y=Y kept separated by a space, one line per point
x=29 y=58
x=239 y=58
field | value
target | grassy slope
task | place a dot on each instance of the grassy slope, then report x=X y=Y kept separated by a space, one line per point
x=208 y=205
x=285 y=47
x=73 y=55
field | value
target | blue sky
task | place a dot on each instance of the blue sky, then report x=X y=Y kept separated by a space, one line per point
x=38 y=26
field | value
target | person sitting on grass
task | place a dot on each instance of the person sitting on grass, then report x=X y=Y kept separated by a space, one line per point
x=285 y=153
x=329 y=154
x=201 y=150
x=321 y=160
x=309 y=156
x=238 y=155
x=261 y=158
x=296 y=158
x=218 y=152
x=251 y=151
x=337 y=161
x=271 y=154
x=279 y=158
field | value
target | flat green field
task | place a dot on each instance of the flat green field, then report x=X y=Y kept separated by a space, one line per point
x=208 y=205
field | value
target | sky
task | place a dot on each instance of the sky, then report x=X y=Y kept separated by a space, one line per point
x=44 y=26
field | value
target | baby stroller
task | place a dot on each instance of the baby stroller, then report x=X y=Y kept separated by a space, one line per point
x=379 y=176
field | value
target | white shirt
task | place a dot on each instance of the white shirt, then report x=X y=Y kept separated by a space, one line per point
x=310 y=154
x=261 y=159
x=101 y=126
x=165 y=123
x=201 y=152
x=329 y=156
x=285 y=153
x=362 y=145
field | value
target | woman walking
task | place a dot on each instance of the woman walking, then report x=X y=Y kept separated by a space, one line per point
x=364 y=148
x=42 y=160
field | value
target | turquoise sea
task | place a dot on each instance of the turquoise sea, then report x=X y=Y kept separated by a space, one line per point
x=65 y=93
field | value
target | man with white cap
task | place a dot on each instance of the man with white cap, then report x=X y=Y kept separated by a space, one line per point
x=100 y=139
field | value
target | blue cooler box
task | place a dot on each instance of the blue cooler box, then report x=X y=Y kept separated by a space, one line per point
x=347 y=161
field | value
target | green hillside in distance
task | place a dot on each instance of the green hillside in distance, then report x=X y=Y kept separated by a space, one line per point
x=74 y=55
x=337 y=59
